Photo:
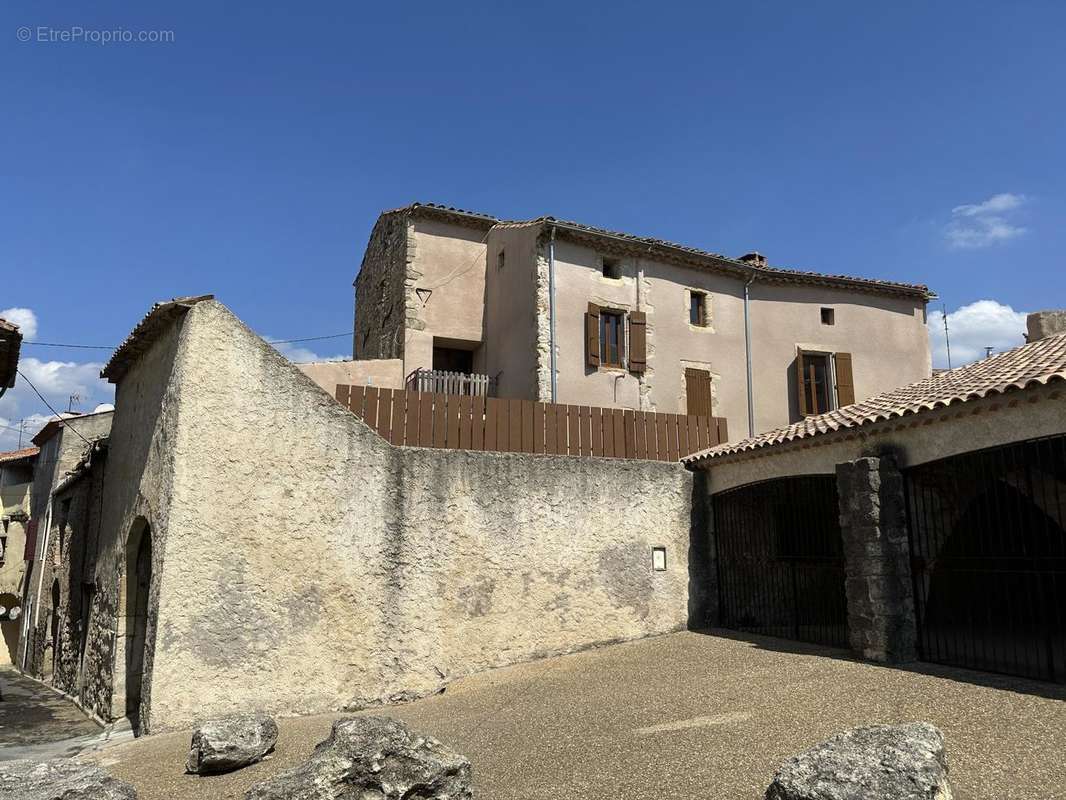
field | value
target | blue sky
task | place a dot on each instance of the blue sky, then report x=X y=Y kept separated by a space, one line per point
x=250 y=155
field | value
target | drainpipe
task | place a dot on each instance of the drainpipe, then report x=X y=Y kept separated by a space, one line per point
x=551 y=312
x=747 y=354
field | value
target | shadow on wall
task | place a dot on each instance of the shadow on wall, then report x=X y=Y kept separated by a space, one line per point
x=133 y=606
x=702 y=568
x=9 y=630
x=990 y=680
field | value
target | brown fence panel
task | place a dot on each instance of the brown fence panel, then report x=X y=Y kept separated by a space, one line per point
x=463 y=422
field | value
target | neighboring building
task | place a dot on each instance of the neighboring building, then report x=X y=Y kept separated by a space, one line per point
x=926 y=522
x=16 y=480
x=10 y=344
x=638 y=323
x=62 y=444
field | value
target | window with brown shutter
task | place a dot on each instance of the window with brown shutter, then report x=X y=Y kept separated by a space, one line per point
x=845 y=379
x=816 y=390
x=592 y=335
x=698 y=391
x=638 y=341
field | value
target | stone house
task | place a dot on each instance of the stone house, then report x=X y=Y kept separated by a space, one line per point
x=16 y=480
x=62 y=444
x=558 y=311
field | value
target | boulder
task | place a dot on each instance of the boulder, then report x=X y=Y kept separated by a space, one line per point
x=372 y=758
x=888 y=762
x=59 y=779
x=229 y=743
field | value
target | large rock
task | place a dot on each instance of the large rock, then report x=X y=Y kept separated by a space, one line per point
x=886 y=762
x=372 y=758
x=59 y=779
x=223 y=745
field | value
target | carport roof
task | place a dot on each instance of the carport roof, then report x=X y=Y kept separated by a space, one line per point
x=1033 y=364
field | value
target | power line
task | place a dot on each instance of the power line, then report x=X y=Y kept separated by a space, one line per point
x=60 y=416
x=75 y=346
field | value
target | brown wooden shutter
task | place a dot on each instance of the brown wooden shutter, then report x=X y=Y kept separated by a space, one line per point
x=801 y=393
x=592 y=335
x=845 y=379
x=698 y=391
x=638 y=341
x=29 y=549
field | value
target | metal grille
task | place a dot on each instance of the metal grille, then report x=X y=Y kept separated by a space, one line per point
x=780 y=560
x=988 y=556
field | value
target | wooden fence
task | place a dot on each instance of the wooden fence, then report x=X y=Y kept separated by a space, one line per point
x=422 y=419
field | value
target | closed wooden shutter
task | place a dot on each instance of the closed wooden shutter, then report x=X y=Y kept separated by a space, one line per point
x=29 y=550
x=698 y=391
x=801 y=392
x=638 y=341
x=592 y=335
x=845 y=379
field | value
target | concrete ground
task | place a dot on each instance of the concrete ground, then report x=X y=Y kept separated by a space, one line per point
x=38 y=722
x=687 y=715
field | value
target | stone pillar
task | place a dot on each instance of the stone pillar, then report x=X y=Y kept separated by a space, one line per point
x=880 y=595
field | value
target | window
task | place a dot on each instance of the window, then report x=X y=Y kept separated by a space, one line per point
x=612 y=338
x=612 y=268
x=823 y=382
x=697 y=309
x=828 y=316
x=501 y=258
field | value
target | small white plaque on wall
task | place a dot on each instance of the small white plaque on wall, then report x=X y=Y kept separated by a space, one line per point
x=658 y=559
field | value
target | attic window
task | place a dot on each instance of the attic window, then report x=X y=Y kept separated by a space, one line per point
x=828 y=316
x=501 y=258
x=612 y=268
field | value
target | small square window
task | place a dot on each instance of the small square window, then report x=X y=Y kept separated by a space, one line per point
x=501 y=259
x=697 y=309
x=828 y=316
x=612 y=268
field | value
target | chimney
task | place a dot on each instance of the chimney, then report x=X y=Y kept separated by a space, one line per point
x=1041 y=324
x=754 y=258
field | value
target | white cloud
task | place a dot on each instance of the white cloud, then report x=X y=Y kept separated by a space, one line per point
x=972 y=328
x=976 y=225
x=301 y=355
x=24 y=318
x=56 y=380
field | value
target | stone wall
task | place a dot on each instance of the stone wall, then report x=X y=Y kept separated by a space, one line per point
x=873 y=526
x=381 y=291
x=317 y=567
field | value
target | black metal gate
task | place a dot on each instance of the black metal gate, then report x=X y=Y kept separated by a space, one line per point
x=780 y=559
x=988 y=555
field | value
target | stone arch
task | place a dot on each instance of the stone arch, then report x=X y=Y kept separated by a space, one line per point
x=133 y=618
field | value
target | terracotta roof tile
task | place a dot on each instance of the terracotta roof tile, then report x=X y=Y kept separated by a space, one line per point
x=1038 y=363
x=16 y=455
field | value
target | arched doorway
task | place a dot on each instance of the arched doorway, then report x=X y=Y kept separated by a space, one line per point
x=135 y=611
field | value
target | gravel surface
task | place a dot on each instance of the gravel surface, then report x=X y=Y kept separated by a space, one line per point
x=688 y=715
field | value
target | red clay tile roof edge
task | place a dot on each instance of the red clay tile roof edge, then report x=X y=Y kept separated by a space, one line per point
x=1035 y=364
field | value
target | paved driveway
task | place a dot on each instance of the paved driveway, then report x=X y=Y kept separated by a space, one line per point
x=687 y=715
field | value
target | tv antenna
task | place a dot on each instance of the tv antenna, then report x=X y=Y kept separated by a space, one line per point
x=947 y=337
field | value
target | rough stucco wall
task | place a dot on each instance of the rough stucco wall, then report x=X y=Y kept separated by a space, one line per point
x=383 y=373
x=380 y=291
x=978 y=424
x=319 y=567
